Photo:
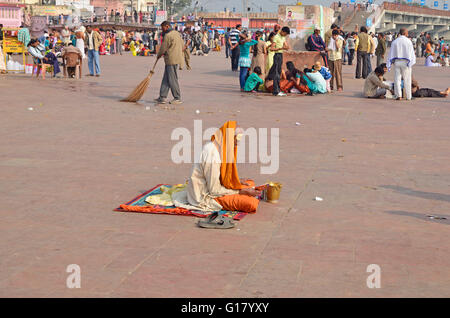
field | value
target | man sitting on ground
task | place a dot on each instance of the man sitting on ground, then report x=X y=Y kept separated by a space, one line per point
x=374 y=87
x=214 y=183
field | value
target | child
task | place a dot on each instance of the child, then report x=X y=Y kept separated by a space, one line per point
x=254 y=80
x=325 y=73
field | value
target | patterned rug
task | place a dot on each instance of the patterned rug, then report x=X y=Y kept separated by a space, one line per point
x=139 y=205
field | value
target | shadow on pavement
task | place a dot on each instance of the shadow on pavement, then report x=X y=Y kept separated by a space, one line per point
x=425 y=217
x=419 y=194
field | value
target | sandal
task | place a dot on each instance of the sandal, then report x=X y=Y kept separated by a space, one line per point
x=216 y=221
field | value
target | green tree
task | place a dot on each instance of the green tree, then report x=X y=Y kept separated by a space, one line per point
x=179 y=6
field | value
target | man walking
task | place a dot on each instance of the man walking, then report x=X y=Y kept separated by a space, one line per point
x=94 y=40
x=403 y=57
x=172 y=50
x=381 y=49
x=234 y=45
x=361 y=53
x=279 y=45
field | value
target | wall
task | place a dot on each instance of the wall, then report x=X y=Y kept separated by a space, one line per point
x=11 y=13
x=302 y=21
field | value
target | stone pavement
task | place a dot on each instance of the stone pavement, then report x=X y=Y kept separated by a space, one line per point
x=380 y=166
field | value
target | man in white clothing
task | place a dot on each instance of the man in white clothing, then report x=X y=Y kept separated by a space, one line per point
x=403 y=57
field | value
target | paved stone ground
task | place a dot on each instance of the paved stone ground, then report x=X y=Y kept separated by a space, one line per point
x=380 y=166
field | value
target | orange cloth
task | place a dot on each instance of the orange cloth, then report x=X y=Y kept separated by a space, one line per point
x=224 y=139
x=238 y=202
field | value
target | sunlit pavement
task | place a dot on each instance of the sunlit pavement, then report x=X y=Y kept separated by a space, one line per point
x=71 y=153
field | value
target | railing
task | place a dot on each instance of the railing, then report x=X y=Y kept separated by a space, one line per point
x=414 y=9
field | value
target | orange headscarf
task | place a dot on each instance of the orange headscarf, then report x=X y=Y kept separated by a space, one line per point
x=224 y=138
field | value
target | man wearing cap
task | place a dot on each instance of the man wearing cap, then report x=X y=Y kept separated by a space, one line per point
x=316 y=43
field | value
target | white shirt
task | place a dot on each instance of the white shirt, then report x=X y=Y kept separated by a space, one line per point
x=403 y=49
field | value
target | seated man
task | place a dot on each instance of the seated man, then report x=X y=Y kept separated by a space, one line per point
x=214 y=184
x=374 y=86
x=72 y=57
x=35 y=48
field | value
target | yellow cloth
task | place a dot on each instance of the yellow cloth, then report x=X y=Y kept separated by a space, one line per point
x=279 y=41
x=270 y=55
x=165 y=198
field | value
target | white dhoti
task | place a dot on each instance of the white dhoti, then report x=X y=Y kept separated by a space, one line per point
x=402 y=71
x=80 y=45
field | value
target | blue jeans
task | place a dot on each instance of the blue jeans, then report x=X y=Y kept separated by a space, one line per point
x=243 y=76
x=93 y=57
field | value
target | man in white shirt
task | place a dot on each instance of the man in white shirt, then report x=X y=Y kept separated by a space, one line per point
x=403 y=57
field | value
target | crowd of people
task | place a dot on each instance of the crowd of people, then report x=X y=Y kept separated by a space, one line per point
x=259 y=59
x=258 y=56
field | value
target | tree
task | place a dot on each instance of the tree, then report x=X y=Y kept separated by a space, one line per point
x=179 y=5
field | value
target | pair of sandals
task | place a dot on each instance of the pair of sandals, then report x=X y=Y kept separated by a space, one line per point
x=216 y=221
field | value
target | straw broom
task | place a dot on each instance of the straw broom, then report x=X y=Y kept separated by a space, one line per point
x=139 y=91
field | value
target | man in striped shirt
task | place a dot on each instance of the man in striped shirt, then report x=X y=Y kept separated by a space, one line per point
x=234 y=45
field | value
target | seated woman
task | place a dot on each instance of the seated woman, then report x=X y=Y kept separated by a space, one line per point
x=254 y=80
x=431 y=61
x=426 y=92
x=374 y=86
x=314 y=80
x=214 y=184
x=294 y=79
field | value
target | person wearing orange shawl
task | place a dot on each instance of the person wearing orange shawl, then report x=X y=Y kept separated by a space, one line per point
x=214 y=183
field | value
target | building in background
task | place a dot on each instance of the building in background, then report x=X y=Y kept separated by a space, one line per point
x=11 y=13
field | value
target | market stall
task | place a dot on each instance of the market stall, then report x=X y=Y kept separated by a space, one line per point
x=12 y=46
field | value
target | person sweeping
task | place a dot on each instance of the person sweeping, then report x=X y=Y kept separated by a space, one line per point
x=172 y=50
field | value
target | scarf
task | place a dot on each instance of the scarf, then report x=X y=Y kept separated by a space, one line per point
x=402 y=48
x=224 y=139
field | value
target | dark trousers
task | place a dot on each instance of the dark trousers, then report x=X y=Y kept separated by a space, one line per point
x=227 y=50
x=427 y=92
x=361 y=62
x=235 y=58
x=380 y=60
x=170 y=80
x=351 y=56
x=369 y=64
x=52 y=60
x=325 y=58
x=275 y=72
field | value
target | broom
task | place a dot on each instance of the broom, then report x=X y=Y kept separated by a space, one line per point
x=139 y=91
